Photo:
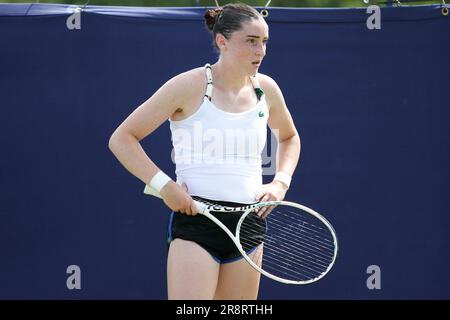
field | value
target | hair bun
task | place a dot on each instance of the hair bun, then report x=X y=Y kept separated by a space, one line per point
x=211 y=17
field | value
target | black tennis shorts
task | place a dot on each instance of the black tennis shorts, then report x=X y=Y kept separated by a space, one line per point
x=211 y=237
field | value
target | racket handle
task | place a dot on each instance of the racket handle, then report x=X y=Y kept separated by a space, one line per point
x=201 y=207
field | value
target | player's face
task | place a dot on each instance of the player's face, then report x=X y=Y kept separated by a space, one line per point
x=247 y=47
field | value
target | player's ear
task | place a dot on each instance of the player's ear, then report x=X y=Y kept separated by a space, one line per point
x=184 y=186
x=221 y=41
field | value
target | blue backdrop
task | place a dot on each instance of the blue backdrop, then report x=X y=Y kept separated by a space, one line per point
x=371 y=106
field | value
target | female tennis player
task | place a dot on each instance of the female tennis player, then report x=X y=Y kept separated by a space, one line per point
x=218 y=119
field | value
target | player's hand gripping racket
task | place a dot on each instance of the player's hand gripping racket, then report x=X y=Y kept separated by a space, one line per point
x=299 y=245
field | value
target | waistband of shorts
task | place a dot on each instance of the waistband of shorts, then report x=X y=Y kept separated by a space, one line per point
x=221 y=203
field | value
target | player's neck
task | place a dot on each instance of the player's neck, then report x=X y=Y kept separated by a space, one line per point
x=229 y=76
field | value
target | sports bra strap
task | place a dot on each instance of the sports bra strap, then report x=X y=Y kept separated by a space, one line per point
x=209 y=87
x=259 y=92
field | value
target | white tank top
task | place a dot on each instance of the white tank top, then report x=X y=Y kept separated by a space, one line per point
x=218 y=153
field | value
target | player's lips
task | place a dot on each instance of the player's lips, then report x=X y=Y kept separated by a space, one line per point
x=256 y=62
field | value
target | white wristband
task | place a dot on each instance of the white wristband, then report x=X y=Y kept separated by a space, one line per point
x=159 y=180
x=283 y=177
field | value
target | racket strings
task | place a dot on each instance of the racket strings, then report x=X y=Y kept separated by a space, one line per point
x=301 y=220
x=319 y=232
x=296 y=245
x=289 y=250
x=302 y=252
x=289 y=267
x=286 y=266
x=314 y=238
x=286 y=269
x=286 y=261
x=311 y=242
x=292 y=242
x=302 y=261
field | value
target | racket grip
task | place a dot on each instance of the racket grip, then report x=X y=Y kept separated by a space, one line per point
x=201 y=207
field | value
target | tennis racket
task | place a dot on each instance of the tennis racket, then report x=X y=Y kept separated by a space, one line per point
x=292 y=245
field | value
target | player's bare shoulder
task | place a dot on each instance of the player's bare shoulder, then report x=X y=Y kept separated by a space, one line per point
x=189 y=81
x=190 y=87
x=271 y=89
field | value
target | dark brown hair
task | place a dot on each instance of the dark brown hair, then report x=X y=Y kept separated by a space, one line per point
x=229 y=18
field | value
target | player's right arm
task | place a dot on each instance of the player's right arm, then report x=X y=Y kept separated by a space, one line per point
x=124 y=142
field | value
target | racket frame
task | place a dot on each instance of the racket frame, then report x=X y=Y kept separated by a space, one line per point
x=205 y=209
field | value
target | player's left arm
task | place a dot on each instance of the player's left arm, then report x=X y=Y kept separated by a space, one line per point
x=283 y=127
